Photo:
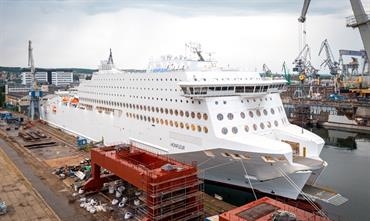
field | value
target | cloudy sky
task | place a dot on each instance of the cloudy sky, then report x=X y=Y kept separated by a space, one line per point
x=242 y=33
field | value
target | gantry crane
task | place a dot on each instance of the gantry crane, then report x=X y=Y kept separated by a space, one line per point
x=329 y=60
x=266 y=70
x=35 y=94
x=287 y=75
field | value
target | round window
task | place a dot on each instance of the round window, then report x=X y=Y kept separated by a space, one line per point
x=268 y=124
x=230 y=116
x=246 y=128
x=224 y=130
x=262 y=126
x=234 y=130
x=258 y=112
x=199 y=115
x=242 y=115
x=272 y=111
x=192 y=115
x=265 y=112
x=187 y=114
x=255 y=126
x=220 y=116
x=205 y=129
x=276 y=123
x=205 y=116
x=251 y=114
x=181 y=113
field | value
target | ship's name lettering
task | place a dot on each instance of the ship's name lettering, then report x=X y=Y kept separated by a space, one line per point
x=178 y=146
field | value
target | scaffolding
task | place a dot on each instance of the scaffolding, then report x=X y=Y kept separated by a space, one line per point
x=171 y=189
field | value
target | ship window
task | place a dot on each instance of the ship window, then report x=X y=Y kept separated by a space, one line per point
x=157 y=109
x=205 y=129
x=181 y=124
x=268 y=124
x=166 y=122
x=153 y=120
x=199 y=128
x=230 y=116
x=234 y=130
x=152 y=109
x=192 y=115
x=258 y=112
x=255 y=126
x=220 y=116
x=176 y=112
x=262 y=126
x=249 y=89
x=187 y=126
x=239 y=89
x=246 y=128
x=186 y=113
x=193 y=127
x=224 y=130
x=176 y=124
x=272 y=111
x=181 y=113
x=199 y=115
x=276 y=123
x=166 y=111
x=251 y=114
x=145 y=118
x=161 y=110
x=171 y=123
x=242 y=115
x=265 y=112
x=205 y=116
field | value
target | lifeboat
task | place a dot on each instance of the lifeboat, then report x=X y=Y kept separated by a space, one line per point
x=74 y=101
x=65 y=100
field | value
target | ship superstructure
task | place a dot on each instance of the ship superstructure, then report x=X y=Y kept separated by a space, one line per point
x=231 y=122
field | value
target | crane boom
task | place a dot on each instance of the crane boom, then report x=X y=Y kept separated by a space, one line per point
x=329 y=61
x=306 y=4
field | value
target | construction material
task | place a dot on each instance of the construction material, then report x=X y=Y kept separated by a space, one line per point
x=170 y=188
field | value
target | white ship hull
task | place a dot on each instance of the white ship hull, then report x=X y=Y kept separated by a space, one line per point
x=231 y=123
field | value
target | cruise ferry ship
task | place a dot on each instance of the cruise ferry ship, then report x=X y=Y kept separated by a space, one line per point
x=230 y=122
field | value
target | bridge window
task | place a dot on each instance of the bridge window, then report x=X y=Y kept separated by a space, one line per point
x=249 y=89
x=239 y=89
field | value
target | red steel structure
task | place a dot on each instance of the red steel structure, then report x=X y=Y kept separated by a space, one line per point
x=171 y=189
x=264 y=209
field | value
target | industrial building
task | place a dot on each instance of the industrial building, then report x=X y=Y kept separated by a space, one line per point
x=58 y=78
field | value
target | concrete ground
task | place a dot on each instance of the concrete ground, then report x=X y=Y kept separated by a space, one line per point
x=22 y=201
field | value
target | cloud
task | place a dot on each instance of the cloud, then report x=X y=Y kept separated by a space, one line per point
x=80 y=33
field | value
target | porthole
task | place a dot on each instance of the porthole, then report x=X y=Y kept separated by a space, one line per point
x=199 y=115
x=258 y=112
x=162 y=121
x=166 y=122
x=205 y=129
x=199 y=128
x=230 y=116
x=255 y=126
x=157 y=120
x=224 y=130
x=272 y=111
x=157 y=109
x=220 y=116
x=187 y=114
x=268 y=124
x=251 y=114
x=276 y=123
x=192 y=115
x=153 y=120
x=171 y=123
x=234 y=130
x=176 y=112
x=161 y=110
x=166 y=111
x=262 y=126
x=246 y=128
x=193 y=127
x=152 y=109
x=181 y=113
x=171 y=111
x=205 y=116
x=242 y=115
x=181 y=124
x=187 y=126
x=176 y=124
x=265 y=112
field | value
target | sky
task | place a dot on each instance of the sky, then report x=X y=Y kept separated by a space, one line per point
x=239 y=33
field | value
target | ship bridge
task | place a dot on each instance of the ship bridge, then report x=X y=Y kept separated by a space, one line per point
x=198 y=89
